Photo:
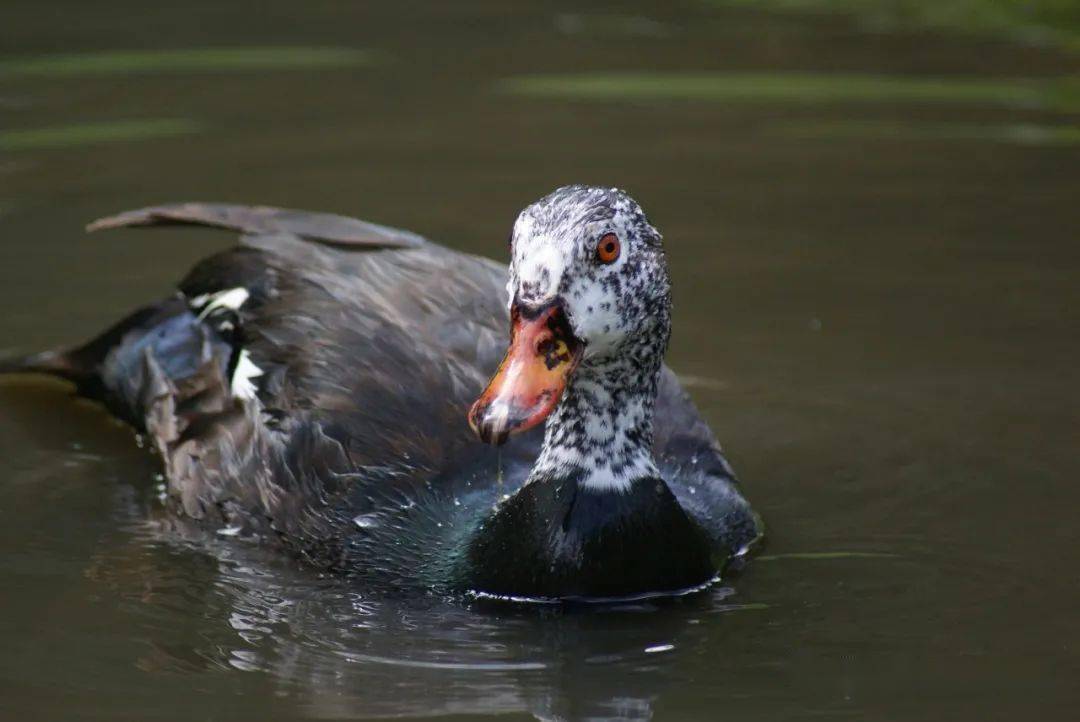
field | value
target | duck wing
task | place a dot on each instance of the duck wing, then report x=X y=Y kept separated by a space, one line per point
x=318 y=371
x=350 y=376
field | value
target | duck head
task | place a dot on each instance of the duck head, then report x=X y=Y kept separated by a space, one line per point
x=589 y=296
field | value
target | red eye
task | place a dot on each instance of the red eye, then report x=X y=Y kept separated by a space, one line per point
x=607 y=250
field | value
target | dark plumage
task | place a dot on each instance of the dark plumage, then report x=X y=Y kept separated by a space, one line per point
x=309 y=389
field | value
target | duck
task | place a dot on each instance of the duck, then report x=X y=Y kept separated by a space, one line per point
x=347 y=393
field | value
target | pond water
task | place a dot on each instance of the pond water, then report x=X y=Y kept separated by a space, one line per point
x=873 y=241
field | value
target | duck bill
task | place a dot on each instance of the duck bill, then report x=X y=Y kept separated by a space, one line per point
x=532 y=376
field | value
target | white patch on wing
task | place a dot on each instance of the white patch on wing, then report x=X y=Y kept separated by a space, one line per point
x=242 y=385
x=231 y=299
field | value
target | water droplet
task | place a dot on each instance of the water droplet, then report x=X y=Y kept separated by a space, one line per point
x=366 y=521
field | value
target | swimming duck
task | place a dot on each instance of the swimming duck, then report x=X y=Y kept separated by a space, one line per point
x=325 y=387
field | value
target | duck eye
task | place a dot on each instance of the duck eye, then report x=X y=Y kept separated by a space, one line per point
x=607 y=250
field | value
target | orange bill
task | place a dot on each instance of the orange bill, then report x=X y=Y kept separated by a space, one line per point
x=532 y=376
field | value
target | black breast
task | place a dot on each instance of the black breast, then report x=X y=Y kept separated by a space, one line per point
x=557 y=539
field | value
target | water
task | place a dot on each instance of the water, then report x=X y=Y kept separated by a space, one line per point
x=875 y=308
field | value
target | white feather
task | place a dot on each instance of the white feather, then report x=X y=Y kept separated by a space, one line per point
x=242 y=385
x=546 y=264
x=231 y=299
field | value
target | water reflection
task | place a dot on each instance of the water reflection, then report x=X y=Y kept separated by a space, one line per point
x=340 y=652
x=198 y=604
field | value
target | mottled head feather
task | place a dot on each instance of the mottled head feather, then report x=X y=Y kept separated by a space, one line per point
x=554 y=256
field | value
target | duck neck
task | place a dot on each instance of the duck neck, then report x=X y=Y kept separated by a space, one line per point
x=602 y=432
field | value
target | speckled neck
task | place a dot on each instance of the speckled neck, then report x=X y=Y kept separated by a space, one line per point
x=602 y=431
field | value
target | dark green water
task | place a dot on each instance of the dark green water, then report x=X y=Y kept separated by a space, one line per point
x=874 y=244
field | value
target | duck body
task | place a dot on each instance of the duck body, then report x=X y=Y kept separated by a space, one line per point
x=308 y=389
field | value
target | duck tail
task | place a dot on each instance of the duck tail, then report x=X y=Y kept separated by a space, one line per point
x=51 y=363
x=111 y=367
